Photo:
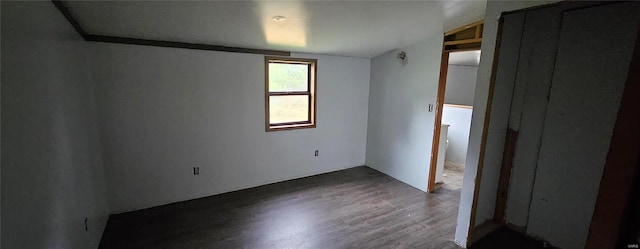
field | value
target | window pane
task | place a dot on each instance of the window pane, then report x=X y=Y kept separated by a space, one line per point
x=284 y=109
x=287 y=77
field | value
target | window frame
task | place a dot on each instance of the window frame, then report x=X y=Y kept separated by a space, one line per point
x=311 y=93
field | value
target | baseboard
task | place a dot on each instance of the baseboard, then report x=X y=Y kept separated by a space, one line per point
x=424 y=189
x=237 y=189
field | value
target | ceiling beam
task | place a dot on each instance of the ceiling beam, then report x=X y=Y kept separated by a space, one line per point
x=67 y=14
x=185 y=45
x=158 y=43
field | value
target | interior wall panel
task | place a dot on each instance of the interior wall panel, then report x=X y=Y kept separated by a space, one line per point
x=503 y=90
x=591 y=67
x=535 y=69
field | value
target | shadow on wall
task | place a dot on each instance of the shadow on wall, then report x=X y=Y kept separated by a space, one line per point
x=52 y=173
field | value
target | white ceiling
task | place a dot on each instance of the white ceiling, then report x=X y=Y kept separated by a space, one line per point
x=466 y=58
x=349 y=28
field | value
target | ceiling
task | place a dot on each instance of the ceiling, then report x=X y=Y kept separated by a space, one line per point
x=466 y=58
x=348 y=28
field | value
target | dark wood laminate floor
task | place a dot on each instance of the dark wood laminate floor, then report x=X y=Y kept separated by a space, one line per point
x=353 y=208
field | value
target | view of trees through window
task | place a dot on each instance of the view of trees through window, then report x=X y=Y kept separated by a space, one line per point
x=284 y=77
x=292 y=79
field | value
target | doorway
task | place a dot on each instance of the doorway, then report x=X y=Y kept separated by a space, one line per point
x=454 y=107
x=457 y=110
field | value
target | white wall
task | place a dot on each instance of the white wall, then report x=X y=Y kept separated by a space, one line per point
x=400 y=126
x=461 y=84
x=484 y=208
x=0 y=136
x=52 y=173
x=166 y=110
x=459 y=120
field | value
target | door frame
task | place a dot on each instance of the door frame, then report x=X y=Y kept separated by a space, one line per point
x=456 y=40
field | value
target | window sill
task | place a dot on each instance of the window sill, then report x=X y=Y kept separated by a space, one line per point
x=290 y=127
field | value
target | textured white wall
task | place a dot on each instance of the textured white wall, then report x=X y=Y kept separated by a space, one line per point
x=52 y=173
x=459 y=120
x=461 y=84
x=166 y=110
x=400 y=126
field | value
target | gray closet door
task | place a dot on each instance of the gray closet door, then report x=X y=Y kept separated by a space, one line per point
x=529 y=105
x=592 y=62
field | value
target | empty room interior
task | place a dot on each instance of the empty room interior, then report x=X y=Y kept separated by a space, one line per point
x=320 y=124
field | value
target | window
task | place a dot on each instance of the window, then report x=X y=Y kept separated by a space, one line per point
x=290 y=93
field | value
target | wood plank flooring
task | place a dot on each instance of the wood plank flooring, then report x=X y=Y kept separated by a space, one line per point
x=352 y=208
